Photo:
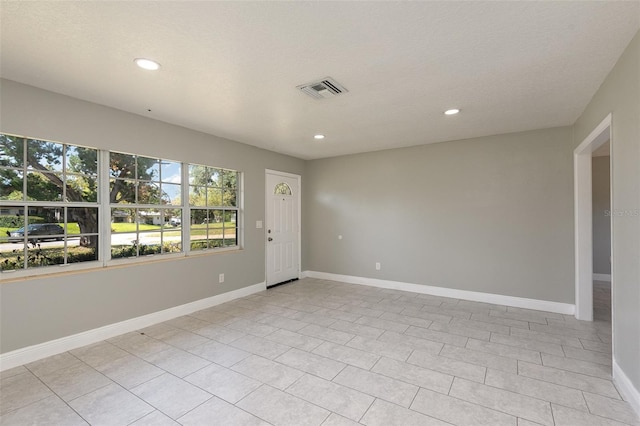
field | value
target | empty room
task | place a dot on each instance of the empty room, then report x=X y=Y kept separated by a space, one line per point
x=320 y=213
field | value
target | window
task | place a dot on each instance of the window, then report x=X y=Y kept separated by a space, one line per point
x=49 y=195
x=146 y=205
x=282 y=189
x=213 y=212
x=54 y=197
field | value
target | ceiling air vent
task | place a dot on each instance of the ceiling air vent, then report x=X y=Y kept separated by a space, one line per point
x=325 y=88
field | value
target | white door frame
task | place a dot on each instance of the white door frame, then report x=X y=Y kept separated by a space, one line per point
x=298 y=179
x=583 y=211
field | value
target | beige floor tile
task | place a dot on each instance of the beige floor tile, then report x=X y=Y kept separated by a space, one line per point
x=508 y=402
x=220 y=412
x=177 y=361
x=430 y=316
x=409 y=373
x=110 y=405
x=546 y=337
x=505 y=351
x=155 y=418
x=520 y=316
x=565 y=416
x=339 y=315
x=266 y=371
x=449 y=366
x=13 y=372
x=460 y=330
x=182 y=339
x=332 y=396
x=130 y=371
x=219 y=333
x=577 y=366
x=139 y=344
x=563 y=331
x=21 y=390
x=337 y=420
x=52 y=363
x=357 y=329
x=279 y=408
x=500 y=321
x=260 y=346
x=295 y=340
x=383 y=413
x=377 y=385
x=310 y=363
x=384 y=324
x=568 y=379
x=596 y=346
x=328 y=334
x=77 y=380
x=251 y=327
x=611 y=408
x=219 y=353
x=414 y=342
x=223 y=382
x=283 y=322
x=316 y=319
x=187 y=322
x=171 y=395
x=405 y=319
x=348 y=355
x=457 y=411
x=377 y=347
x=526 y=343
x=437 y=336
x=49 y=411
x=587 y=355
x=536 y=388
x=483 y=359
x=98 y=354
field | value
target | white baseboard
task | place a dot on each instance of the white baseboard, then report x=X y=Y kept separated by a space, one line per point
x=602 y=277
x=33 y=353
x=497 y=299
x=625 y=387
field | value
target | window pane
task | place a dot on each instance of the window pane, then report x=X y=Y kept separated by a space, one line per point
x=214 y=197
x=45 y=254
x=229 y=198
x=46 y=215
x=82 y=220
x=148 y=169
x=149 y=219
x=82 y=160
x=121 y=165
x=230 y=179
x=122 y=191
x=215 y=177
x=11 y=185
x=197 y=196
x=123 y=220
x=149 y=243
x=171 y=194
x=82 y=253
x=282 y=189
x=148 y=193
x=11 y=255
x=44 y=155
x=171 y=172
x=82 y=188
x=198 y=229
x=44 y=186
x=11 y=151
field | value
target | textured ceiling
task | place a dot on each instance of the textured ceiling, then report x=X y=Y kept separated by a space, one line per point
x=231 y=68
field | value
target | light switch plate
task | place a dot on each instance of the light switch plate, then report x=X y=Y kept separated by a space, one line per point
x=258 y=224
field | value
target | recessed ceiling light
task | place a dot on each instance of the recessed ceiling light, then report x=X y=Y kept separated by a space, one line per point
x=452 y=111
x=318 y=137
x=147 y=64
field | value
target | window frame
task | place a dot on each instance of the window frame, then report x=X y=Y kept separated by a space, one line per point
x=103 y=205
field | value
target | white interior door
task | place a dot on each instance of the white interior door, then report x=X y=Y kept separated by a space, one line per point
x=282 y=227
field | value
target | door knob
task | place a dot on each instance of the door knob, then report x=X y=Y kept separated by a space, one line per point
x=269 y=239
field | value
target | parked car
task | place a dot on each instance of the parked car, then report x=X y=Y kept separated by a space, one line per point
x=43 y=231
x=175 y=221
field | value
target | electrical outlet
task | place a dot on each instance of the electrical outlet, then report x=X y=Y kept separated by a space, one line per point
x=221 y=278
x=377 y=266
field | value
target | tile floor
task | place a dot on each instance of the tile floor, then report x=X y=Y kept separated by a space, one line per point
x=324 y=353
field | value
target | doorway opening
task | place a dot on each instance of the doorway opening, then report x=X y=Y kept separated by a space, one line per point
x=589 y=211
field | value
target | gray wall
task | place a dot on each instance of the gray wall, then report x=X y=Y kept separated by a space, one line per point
x=619 y=94
x=49 y=307
x=601 y=196
x=491 y=214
